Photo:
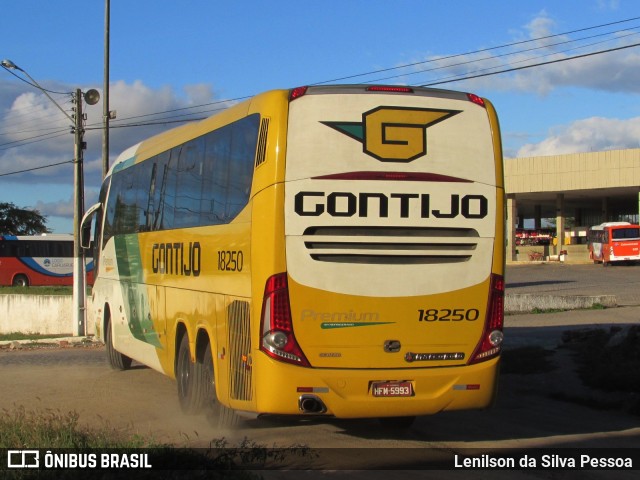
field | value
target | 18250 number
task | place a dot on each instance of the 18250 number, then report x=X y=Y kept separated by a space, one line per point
x=230 y=260
x=448 y=315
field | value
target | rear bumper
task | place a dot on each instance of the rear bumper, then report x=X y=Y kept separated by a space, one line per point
x=346 y=393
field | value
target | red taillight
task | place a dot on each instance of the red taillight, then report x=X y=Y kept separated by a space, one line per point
x=389 y=89
x=490 y=344
x=476 y=99
x=297 y=93
x=278 y=340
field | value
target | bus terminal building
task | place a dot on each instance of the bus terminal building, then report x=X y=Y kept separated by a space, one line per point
x=568 y=194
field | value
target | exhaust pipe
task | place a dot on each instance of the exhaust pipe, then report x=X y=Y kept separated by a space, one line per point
x=311 y=404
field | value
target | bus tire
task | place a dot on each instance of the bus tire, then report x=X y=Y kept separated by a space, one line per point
x=20 y=281
x=188 y=377
x=218 y=415
x=117 y=360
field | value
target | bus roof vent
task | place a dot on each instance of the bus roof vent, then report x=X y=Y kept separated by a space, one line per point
x=261 y=150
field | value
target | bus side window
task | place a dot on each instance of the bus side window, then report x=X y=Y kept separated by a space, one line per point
x=189 y=184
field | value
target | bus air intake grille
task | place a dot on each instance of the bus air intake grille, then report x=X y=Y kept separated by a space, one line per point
x=240 y=350
x=261 y=150
x=391 y=245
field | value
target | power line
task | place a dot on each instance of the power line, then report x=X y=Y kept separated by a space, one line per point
x=518 y=52
x=176 y=119
x=36 y=168
x=506 y=45
x=537 y=39
x=30 y=140
x=217 y=102
x=33 y=84
x=513 y=69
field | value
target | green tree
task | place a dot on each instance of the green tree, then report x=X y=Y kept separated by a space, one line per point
x=21 y=221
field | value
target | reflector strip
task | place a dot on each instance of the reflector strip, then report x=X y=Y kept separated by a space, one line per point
x=312 y=390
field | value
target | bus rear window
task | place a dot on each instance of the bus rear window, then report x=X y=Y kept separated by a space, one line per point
x=625 y=233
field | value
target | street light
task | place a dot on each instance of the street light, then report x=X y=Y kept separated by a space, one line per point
x=79 y=290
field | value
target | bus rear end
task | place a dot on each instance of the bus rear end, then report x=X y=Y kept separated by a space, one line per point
x=614 y=242
x=624 y=243
x=392 y=300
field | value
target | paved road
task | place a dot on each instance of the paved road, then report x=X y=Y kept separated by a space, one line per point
x=566 y=279
x=527 y=414
x=144 y=402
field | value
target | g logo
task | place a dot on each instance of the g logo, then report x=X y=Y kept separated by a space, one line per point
x=393 y=134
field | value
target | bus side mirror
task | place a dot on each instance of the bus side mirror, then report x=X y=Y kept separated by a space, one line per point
x=85 y=236
x=85 y=226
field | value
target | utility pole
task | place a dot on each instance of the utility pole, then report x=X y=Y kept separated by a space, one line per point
x=106 y=114
x=77 y=128
x=79 y=289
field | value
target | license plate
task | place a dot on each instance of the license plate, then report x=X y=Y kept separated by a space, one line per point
x=392 y=389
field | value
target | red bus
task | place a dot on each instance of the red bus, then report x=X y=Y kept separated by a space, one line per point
x=38 y=260
x=614 y=242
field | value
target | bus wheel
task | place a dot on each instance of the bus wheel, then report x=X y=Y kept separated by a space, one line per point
x=190 y=387
x=396 y=422
x=20 y=281
x=117 y=360
x=217 y=415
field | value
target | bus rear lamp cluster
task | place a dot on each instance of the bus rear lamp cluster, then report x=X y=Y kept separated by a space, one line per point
x=476 y=99
x=278 y=340
x=490 y=343
x=297 y=93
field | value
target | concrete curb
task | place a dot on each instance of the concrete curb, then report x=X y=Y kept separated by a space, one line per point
x=515 y=303
x=58 y=341
x=529 y=302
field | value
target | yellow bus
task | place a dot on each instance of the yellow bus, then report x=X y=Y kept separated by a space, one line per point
x=325 y=250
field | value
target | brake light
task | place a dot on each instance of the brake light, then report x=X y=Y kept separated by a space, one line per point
x=476 y=99
x=389 y=89
x=278 y=340
x=297 y=93
x=490 y=343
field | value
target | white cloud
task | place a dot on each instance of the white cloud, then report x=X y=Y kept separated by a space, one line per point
x=608 y=4
x=34 y=133
x=541 y=26
x=587 y=135
x=615 y=71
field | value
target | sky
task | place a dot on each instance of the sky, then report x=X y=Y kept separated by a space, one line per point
x=171 y=60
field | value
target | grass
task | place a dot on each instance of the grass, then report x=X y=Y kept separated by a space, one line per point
x=595 y=306
x=57 y=290
x=62 y=432
x=22 y=428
